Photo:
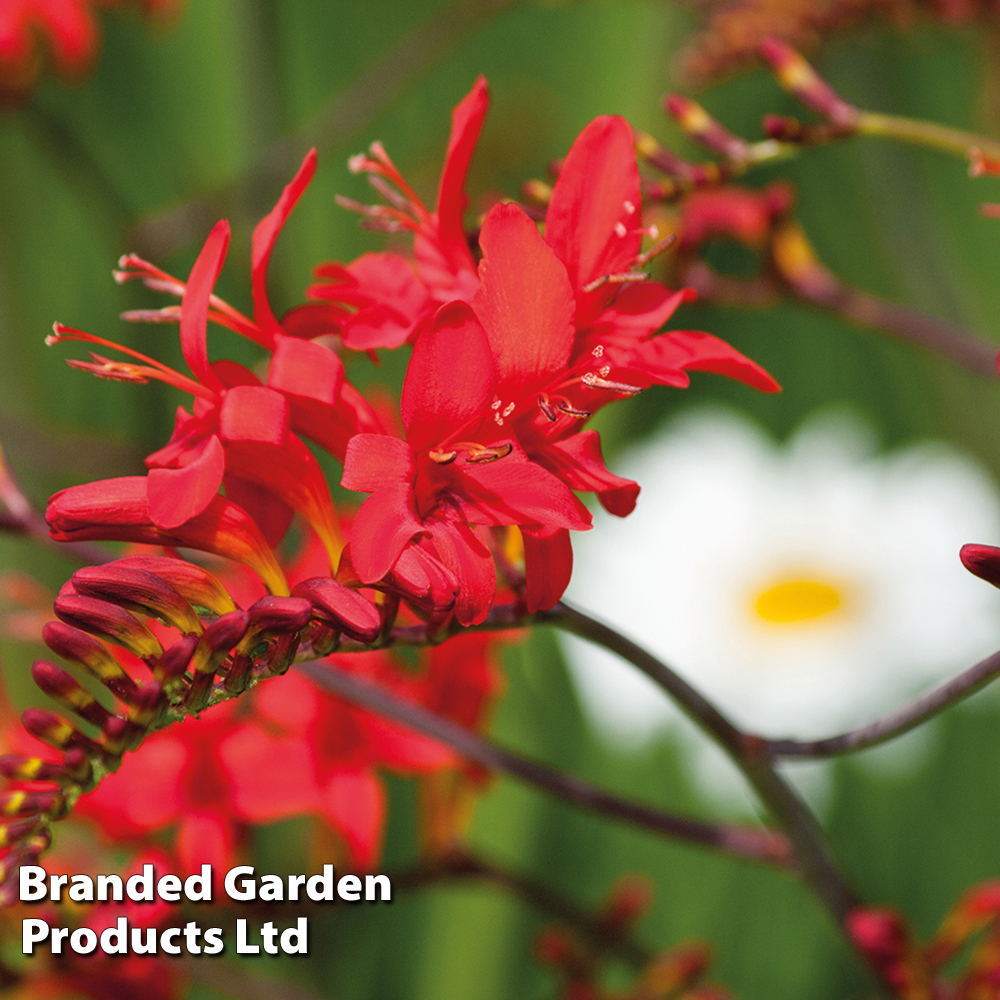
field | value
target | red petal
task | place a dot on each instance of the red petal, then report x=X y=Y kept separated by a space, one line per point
x=272 y=515
x=472 y=563
x=594 y=215
x=376 y=460
x=254 y=413
x=691 y=350
x=194 y=304
x=118 y=510
x=301 y=368
x=578 y=461
x=466 y=123
x=354 y=805
x=449 y=380
x=291 y=473
x=386 y=521
x=177 y=495
x=548 y=566
x=264 y=236
x=525 y=302
x=514 y=490
x=272 y=777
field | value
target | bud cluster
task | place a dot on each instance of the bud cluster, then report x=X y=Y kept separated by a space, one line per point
x=166 y=640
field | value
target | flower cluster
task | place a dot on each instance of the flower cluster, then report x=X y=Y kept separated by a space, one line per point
x=518 y=335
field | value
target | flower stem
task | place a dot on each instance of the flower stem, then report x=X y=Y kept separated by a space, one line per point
x=888 y=727
x=750 y=754
x=463 y=864
x=930 y=135
x=739 y=841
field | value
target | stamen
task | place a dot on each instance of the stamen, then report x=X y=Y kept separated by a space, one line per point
x=508 y=409
x=442 y=457
x=620 y=230
x=546 y=407
x=598 y=351
x=490 y=454
x=653 y=251
x=596 y=382
x=564 y=407
x=615 y=279
x=629 y=208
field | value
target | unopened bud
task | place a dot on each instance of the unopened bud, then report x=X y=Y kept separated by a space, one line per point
x=630 y=898
x=57 y=732
x=798 y=77
x=280 y=614
x=23 y=803
x=108 y=621
x=982 y=561
x=68 y=691
x=704 y=129
x=137 y=590
x=78 y=647
x=194 y=583
x=341 y=607
x=169 y=669
x=20 y=829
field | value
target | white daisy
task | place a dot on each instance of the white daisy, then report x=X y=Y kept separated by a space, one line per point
x=804 y=588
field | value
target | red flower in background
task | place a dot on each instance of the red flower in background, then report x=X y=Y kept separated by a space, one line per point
x=70 y=32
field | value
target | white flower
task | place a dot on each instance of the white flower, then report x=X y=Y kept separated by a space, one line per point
x=803 y=588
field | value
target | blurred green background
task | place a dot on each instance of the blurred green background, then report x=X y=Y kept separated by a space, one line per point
x=215 y=111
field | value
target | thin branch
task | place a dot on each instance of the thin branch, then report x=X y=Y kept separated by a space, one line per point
x=896 y=723
x=817 y=285
x=739 y=841
x=750 y=754
x=465 y=865
x=23 y=519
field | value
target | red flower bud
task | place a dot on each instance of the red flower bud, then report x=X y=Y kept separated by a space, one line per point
x=65 y=689
x=78 y=647
x=341 y=607
x=137 y=590
x=982 y=561
x=108 y=621
x=196 y=584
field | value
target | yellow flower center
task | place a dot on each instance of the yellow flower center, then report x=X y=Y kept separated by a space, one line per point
x=797 y=600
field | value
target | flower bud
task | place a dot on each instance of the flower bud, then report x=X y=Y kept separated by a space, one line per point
x=341 y=607
x=199 y=586
x=19 y=767
x=279 y=614
x=108 y=621
x=23 y=803
x=66 y=690
x=57 y=732
x=982 y=561
x=137 y=590
x=171 y=667
x=796 y=76
x=705 y=129
x=78 y=647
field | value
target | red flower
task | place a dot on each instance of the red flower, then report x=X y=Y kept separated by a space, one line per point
x=70 y=31
x=378 y=300
x=307 y=752
x=241 y=433
x=457 y=468
x=177 y=779
x=118 y=510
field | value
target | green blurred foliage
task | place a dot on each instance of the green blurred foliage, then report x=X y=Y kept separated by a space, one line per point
x=190 y=111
